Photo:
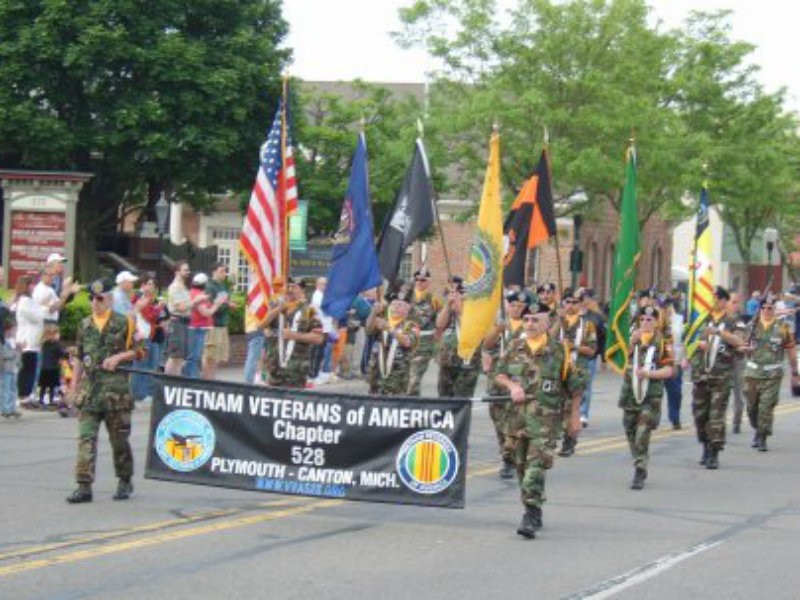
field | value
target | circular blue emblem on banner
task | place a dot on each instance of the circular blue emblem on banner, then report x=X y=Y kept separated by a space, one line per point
x=427 y=462
x=185 y=440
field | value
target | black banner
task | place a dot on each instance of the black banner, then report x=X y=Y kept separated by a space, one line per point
x=400 y=450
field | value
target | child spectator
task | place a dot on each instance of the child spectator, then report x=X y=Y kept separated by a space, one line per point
x=50 y=373
x=9 y=366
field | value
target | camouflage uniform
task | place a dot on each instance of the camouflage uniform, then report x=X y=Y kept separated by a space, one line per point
x=639 y=420
x=548 y=381
x=712 y=388
x=764 y=372
x=502 y=412
x=580 y=363
x=303 y=318
x=104 y=396
x=424 y=312
x=395 y=379
x=457 y=377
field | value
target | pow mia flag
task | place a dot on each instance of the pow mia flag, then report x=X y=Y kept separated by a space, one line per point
x=411 y=215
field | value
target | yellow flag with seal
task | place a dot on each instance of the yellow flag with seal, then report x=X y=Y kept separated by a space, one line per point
x=484 y=282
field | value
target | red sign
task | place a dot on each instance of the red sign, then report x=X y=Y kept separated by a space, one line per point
x=34 y=235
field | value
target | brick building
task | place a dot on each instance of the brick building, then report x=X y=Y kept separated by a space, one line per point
x=598 y=239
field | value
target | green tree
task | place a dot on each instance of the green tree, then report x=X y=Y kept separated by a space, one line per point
x=164 y=95
x=326 y=134
x=592 y=72
x=747 y=137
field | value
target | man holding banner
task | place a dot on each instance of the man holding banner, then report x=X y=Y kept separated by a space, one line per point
x=105 y=340
x=536 y=371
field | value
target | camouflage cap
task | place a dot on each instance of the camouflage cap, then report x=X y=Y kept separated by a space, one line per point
x=649 y=311
x=100 y=287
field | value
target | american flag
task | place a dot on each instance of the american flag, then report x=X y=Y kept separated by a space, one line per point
x=274 y=197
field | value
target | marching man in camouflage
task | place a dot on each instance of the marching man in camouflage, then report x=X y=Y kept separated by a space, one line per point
x=425 y=306
x=105 y=340
x=495 y=346
x=396 y=337
x=649 y=364
x=536 y=371
x=713 y=366
x=771 y=340
x=457 y=377
x=297 y=328
x=581 y=337
x=546 y=294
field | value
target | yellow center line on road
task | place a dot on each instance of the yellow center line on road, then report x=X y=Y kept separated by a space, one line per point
x=308 y=505
x=161 y=538
x=110 y=535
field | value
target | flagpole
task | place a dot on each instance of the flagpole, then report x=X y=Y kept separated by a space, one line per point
x=286 y=258
x=546 y=148
x=434 y=201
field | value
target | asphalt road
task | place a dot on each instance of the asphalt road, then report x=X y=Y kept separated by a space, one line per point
x=691 y=533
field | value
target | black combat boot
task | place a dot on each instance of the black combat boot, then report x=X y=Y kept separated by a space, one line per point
x=527 y=527
x=737 y=428
x=568 y=446
x=124 y=490
x=713 y=458
x=537 y=518
x=762 y=443
x=82 y=493
x=639 y=475
x=507 y=470
x=704 y=457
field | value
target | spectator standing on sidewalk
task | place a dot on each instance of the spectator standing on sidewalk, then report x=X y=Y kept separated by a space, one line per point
x=50 y=372
x=179 y=305
x=30 y=316
x=674 y=385
x=9 y=366
x=150 y=313
x=123 y=293
x=592 y=312
x=217 y=348
x=201 y=321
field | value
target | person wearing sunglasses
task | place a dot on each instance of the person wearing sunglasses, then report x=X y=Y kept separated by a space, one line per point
x=713 y=365
x=105 y=341
x=650 y=361
x=581 y=337
x=771 y=341
x=425 y=305
x=495 y=346
x=537 y=373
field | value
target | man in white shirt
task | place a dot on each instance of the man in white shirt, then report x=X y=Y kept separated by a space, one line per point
x=44 y=294
x=123 y=293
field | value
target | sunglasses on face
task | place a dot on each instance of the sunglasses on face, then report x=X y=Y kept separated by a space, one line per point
x=100 y=297
x=570 y=301
x=647 y=319
x=768 y=307
x=532 y=319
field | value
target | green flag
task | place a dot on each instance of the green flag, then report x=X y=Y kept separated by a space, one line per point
x=625 y=259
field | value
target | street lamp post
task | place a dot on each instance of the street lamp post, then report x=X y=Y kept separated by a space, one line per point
x=770 y=237
x=575 y=255
x=162 y=218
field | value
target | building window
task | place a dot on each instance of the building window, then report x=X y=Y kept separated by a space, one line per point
x=656 y=267
x=242 y=273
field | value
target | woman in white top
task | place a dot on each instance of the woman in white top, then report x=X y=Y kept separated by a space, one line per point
x=30 y=317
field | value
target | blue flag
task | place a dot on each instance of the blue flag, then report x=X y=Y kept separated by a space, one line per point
x=354 y=262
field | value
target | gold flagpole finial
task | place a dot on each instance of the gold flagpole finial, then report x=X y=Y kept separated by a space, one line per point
x=495 y=127
x=546 y=136
x=420 y=128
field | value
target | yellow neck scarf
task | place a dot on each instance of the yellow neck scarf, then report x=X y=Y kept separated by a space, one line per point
x=537 y=343
x=101 y=320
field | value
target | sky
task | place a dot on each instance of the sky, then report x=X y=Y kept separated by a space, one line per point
x=348 y=39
